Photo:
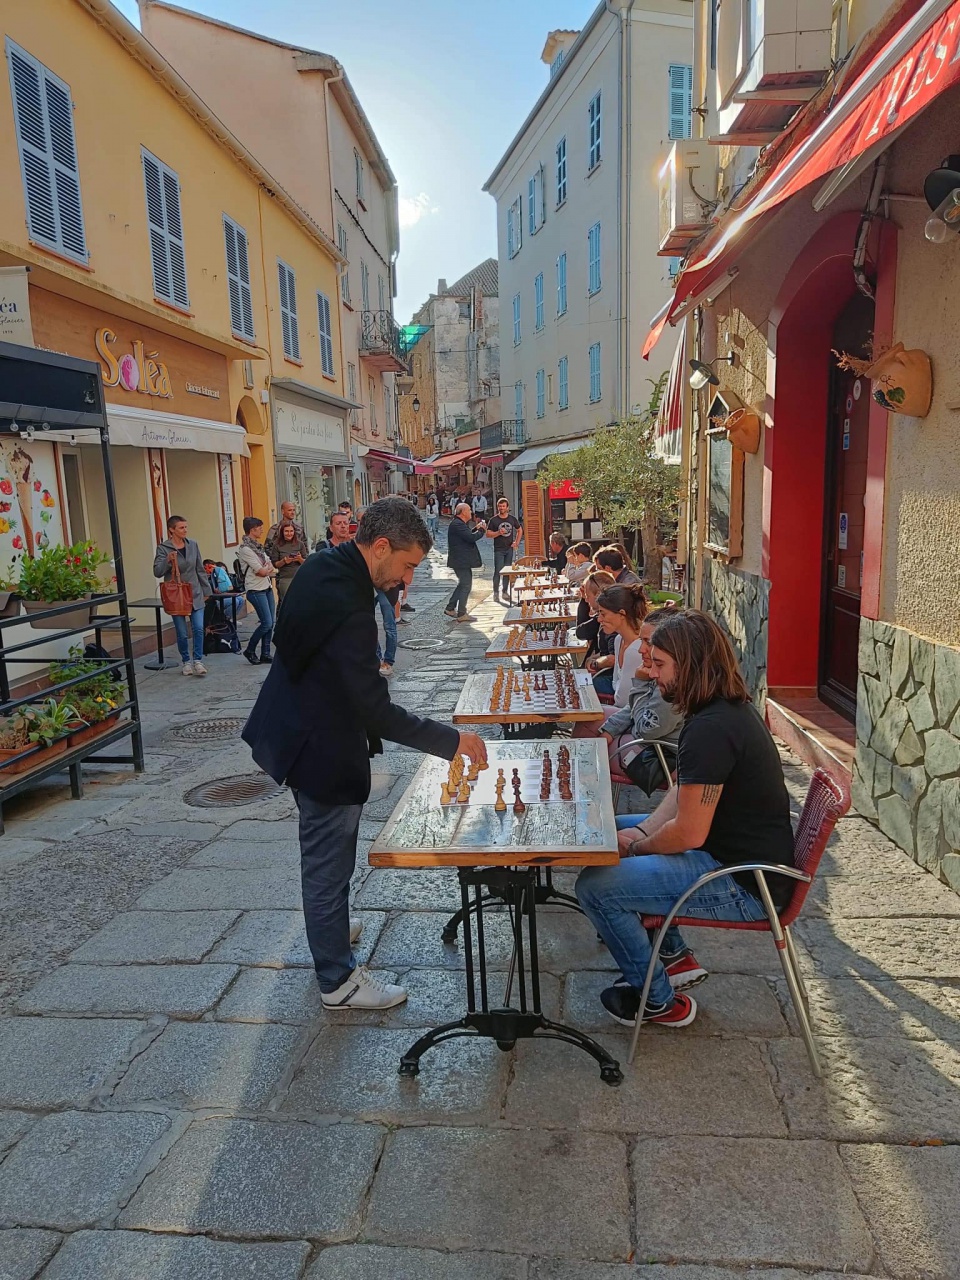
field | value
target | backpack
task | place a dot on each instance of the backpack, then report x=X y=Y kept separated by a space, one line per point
x=239 y=575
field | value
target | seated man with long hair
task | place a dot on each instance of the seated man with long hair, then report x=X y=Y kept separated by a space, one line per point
x=730 y=805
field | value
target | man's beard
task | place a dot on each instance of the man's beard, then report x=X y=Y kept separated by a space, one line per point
x=669 y=693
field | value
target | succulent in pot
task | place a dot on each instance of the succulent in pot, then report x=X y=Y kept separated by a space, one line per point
x=51 y=720
x=14 y=740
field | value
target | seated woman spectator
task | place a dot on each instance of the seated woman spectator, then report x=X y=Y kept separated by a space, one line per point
x=557 y=559
x=218 y=574
x=599 y=645
x=646 y=716
x=579 y=562
x=288 y=552
x=621 y=611
x=616 y=562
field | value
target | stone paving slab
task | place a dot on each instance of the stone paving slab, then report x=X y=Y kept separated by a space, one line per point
x=23 y=1252
x=376 y=1262
x=279 y=1180
x=272 y=995
x=135 y=1255
x=890 y=1090
x=155 y=937
x=352 y=1071
x=391 y=888
x=248 y=855
x=777 y=1202
x=910 y=1197
x=74 y=1167
x=529 y=1192
x=216 y=1064
x=278 y=940
x=875 y=894
x=261 y=831
x=14 y=850
x=61 y=1062
x=729 y=1004
x=722 y=1090
x=557 y=1269
x=13 y=1125
x=728 y=951
x=881 y=948
x=205 y=890
x=863 y=1008
x=180 y=990
x=439 y=995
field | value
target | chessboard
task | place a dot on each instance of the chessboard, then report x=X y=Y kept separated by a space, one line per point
x=545 y=593
x=541 y=611
x=535 y=638
x=484 y=700
x=553 y=830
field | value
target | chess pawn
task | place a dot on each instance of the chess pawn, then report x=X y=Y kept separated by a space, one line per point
x=444 y=793
x=463 y=796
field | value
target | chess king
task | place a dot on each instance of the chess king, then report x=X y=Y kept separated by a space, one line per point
x=323 y=712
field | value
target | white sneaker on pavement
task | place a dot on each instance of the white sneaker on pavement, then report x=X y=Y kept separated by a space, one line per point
x=199 y=669
x=363 y=991
x=356 y=928
x=187 y=669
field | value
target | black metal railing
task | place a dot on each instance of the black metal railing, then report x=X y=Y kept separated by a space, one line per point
x=380 y=335
x=510 y=432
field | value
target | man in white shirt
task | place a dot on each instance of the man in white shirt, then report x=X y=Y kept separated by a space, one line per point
x=479 y=506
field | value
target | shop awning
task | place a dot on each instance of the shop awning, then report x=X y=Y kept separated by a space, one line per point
x=149 y=429
x=491 y=459
x=530 y=459
x=444 y=460
x=669 y=429
x=395 y=458
x=916 y=64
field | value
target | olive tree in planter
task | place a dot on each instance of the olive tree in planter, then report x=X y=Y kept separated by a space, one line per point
x=55 y=577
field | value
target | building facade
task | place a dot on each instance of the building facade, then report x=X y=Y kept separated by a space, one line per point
x=136 y=231
x=826 y=537
x=306 y=118
x=576 y=221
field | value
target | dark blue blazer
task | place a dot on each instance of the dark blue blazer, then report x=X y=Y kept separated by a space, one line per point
x=462 y=549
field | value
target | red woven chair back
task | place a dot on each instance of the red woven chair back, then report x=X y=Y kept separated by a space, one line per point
x=828 y=799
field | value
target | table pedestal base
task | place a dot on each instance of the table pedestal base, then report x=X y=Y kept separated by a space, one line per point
x=544 y=892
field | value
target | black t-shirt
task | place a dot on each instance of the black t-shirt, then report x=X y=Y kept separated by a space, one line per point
x=506 y=528
x=728 y=743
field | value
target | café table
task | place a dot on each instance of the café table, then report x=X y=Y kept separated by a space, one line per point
x=161 y=663
x=498 y=857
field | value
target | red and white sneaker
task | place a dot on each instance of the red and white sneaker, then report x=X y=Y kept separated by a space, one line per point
x=685 y=972
x=623 y=1005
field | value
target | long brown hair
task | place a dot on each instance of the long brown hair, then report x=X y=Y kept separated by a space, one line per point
x=628 y=600
x=706 y=665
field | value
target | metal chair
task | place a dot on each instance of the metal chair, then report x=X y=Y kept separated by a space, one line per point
x=619 y=778
x=827 y=800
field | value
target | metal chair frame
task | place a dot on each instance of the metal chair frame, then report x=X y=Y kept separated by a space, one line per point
x=640 y=742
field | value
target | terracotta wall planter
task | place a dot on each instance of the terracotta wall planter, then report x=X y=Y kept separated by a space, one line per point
x=902 y=380
x=33 y=761
x=62 y=621
x=95 y=730
x=9 y=604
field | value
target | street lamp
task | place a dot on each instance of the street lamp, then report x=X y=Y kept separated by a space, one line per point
x=703 y=373
x=416 y=404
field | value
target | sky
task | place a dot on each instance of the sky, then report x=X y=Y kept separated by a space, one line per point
x=446 y=84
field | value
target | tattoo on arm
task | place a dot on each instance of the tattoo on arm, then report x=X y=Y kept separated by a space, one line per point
x=711 y=793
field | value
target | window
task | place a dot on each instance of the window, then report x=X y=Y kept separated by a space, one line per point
x=536 y=208
x=680 y=100
x=43 y=114
x=238 y=279
x=518 y=401
x=325 y=331
x=563 y=379
x=516 y=319
x=595 y=373
x=515 y=227
x=562 y=285
x=593 y=146
x=593 y=259
x=538 y=301
x=352 y=381
x=345 y=277
x=364 y=286
x=288 y=311
x=166 y=231
x=561 y=171
x=358 y=166
x=541 y=393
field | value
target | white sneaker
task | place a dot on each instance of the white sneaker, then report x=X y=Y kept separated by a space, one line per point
x=363 y=991
x=199 y=669
x=356 y=928
x=187 y=669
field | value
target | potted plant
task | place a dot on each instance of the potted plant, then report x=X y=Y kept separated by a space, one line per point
x=50 y=723
x=56 y=576
x=9 y=597
x=14 y=740
x=902 y=380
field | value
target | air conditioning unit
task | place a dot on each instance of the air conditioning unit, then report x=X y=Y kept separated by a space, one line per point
x=688 y=183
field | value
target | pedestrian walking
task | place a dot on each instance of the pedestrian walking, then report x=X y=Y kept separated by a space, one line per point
x=258 y=575
x=479 y=505
x=287 y=553
x=432 y=514
x=389 y=602
x=322 y=714
x=463 y=556
x=179 y=556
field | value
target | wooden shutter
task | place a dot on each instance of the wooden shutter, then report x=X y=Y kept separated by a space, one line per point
x=165 y=227
x=43 y=115
x=326 y=334
x=532 y=204
x=238 y=279
x=288 y=311
x=532 y=499
x=680 y=100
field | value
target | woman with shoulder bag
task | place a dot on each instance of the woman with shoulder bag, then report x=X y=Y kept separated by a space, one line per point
x=185 y=588
x=258 y=575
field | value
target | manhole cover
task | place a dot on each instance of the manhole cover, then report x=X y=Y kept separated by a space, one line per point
x=224 y=792
x=209 y=730
x=422 y=644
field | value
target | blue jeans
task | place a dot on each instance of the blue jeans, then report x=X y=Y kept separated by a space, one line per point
x=183 y=635
x=461 y=592
x=603 y=682
x=433 y=526
x=614 y=898
x=501 y=558
x=389 y=616
x=265 y=607
x=328 y=856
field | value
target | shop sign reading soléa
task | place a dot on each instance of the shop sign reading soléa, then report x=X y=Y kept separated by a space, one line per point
x=140 y=371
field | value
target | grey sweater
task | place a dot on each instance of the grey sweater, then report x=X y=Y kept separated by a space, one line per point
x=191 y=568
x=646 y=715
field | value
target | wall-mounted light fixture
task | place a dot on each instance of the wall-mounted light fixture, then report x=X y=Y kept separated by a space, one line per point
x=703 y=374
x=941 y=189
x=416 y=404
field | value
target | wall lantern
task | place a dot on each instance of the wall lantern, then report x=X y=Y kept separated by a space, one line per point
x=941 y=189
x=416 y=404
x=703 y=374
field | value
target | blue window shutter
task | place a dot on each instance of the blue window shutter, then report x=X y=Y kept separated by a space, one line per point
x=532 y=205
x=680 y=100
x=326 y=334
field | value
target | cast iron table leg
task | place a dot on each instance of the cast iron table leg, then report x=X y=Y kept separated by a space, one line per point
x=161 y=664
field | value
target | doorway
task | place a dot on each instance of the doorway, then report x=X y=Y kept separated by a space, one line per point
x=848 y=428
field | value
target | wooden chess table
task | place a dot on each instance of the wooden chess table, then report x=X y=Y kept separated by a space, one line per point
x=475 y=704
x=501 y=859
x=521 y=642
x=554 y=611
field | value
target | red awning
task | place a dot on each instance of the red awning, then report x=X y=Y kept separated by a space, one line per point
x=395 y=458
x=670 y=412
x=491 y=460
x=423 y=469
x=454 y=459
x=916 y=64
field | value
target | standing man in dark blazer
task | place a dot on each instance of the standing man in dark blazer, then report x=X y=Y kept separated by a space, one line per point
x=322 y=713
x=463 y=556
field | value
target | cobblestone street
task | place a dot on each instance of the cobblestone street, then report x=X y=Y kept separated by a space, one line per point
x=175 y=1104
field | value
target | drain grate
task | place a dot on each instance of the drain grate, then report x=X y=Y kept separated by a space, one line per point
x=209 y=730
x=222 y=793
x=422 y=644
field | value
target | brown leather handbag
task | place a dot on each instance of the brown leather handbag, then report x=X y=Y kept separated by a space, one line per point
x=176 y=596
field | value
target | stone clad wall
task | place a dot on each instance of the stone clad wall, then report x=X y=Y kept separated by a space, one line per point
x=906 y=775
x=740 y=602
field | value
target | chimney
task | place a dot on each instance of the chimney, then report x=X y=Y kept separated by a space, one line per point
x=441 y=285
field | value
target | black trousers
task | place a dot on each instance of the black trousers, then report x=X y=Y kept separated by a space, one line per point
x=461 y=593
